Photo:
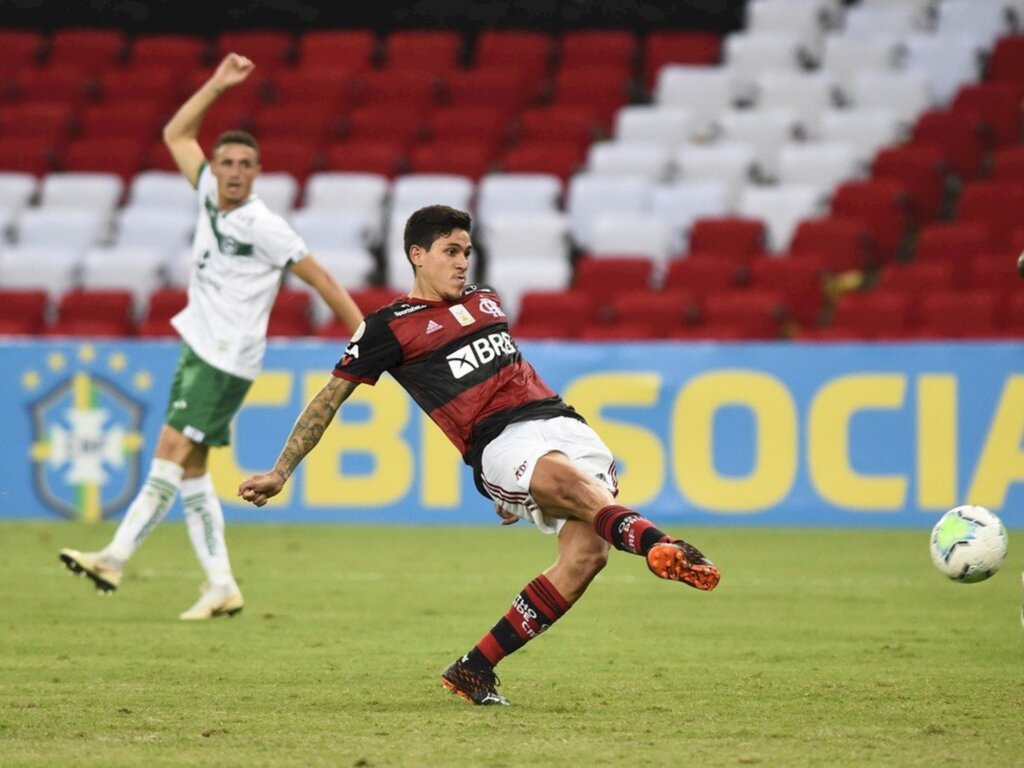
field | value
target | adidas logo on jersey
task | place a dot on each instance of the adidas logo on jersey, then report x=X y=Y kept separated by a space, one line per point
x=470 y=357
x=433 y=327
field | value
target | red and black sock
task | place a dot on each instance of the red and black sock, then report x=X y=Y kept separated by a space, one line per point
x=535 y=609
x=626 y=530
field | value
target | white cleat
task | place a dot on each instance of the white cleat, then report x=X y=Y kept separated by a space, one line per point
x=213 y=602
x=104 y=571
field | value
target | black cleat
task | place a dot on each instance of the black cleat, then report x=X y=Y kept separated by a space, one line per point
x=474 y=684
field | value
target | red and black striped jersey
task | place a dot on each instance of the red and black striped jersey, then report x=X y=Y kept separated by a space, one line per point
x=457 y=361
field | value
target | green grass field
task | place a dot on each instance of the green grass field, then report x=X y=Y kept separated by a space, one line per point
x=819 y=648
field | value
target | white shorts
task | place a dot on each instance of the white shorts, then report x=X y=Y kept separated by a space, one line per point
x=508 y=462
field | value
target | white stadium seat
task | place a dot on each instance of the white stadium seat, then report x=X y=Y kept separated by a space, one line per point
x=592 y=195
x=705 y=92
x=87 y=191
x=947 y=61
x=499 y=193
x=163 y=189
x=666 y=127
x=808 y=94
x=729 y=162
x=682 y=202
x=747 y=54
x=847 y=55
x=906 y=94
x=75 y=228
x=781 y=207
x=278 y=190
x=766 y=130
x=866 y=130
x=652 y=161
x=822 y=164
x=50 y=268
x=134 y=268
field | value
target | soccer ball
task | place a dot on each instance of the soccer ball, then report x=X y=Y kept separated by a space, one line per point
x=968 y=544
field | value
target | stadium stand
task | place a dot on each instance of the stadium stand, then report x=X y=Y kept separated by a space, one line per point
x=819 y=151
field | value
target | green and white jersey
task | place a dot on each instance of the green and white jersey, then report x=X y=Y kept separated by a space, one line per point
x=239 y=261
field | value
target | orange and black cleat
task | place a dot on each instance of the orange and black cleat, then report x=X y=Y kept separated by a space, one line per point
x=679 y=561
x=475 y=684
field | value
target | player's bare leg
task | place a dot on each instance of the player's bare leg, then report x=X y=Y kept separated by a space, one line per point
x=581 y=556
x=562 y=490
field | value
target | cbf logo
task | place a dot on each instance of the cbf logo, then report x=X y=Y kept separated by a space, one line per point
x=86 y=433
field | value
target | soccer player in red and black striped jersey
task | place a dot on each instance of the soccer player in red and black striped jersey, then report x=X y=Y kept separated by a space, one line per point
x=448 y=344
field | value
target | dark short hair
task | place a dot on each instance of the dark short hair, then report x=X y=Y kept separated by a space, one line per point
x=434 y=221
x=237 y=137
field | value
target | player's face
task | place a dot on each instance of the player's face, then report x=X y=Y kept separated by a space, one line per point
x=443 y=270
x=235 y=166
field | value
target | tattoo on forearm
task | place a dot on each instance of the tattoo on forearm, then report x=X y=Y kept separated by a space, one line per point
x=311 y=424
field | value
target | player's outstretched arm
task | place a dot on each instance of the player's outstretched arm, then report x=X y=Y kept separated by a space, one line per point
x=312 y=272
x=181 y=134
x=305 y=435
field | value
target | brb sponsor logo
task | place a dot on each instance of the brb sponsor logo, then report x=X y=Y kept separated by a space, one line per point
x=478 y=352
x=529 y=625
x=86 y=432
x=627 y=533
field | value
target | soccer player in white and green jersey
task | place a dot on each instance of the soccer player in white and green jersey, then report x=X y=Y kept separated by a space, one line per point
x=241 y=250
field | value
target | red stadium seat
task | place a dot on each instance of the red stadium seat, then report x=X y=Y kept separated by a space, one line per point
x=922 y=169
x=660 y=312
x=382 y=122
x=882 y=205
x=605 y=278
x=756 y=313
x=20 y=48
x=736 y=238
x=554 y=314
x=1007 y=60
x=180 y=53
x=47 y=120
x=957 y=314
x=705 y=274
x=291 y=314
x=479 y=124
x=413 y=89
x=233 y=102
x=269 y=49
x=422 y=50
x=841 y=244
x=163 y=304
x=800 y=278
x=678 y=47
x=1008 y=163
x=94 y=313
x=156 y=84
x=124 y=119
x=70 y=85
x=22 y=312
x=507 y=89
x=383 y=156
x=958 y=135
x=331 y=86
x=373 y=298
x=996 y=106
x=35 y=155
x=570 y=123
x=459 y=156
x=617 y=332
x=1011 y=314
x=995 y=270
x=291 y=155
x=918 y=276
x=598 y=48
x=319 y=124
x=531 y=52
x=602 y=90
x=124 y=157
x=89 y=50
x=878 y=314
x=954 y=243
x=995 y=204
x=350 y=49
x=561 y=158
